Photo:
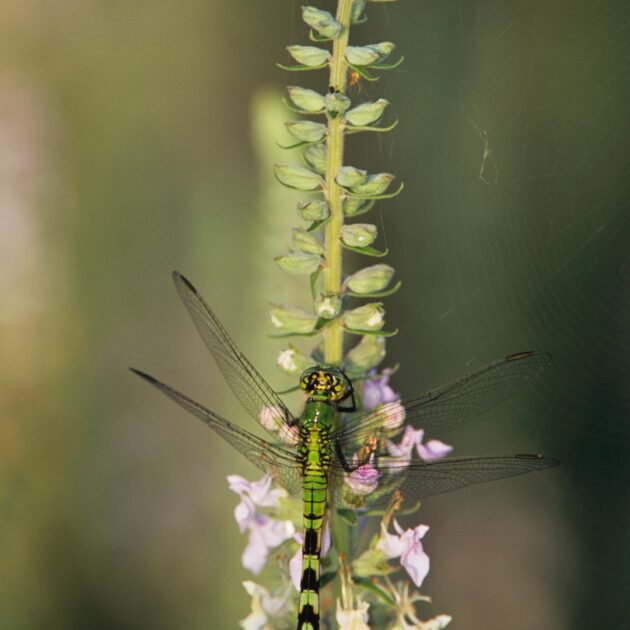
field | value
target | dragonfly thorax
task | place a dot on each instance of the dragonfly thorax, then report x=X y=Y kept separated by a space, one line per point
x=323 y=383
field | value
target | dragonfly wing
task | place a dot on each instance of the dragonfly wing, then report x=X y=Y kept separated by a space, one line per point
x=451 y=405
x=251 y=389
x=273 y=458
x=421 y=479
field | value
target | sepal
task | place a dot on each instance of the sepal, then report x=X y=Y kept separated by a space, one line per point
x=350 y=177
x=369 y=317
x=306 y=100
x=328 y=306
x=309 y=242
x=315 y=156
x=298 y=177
x=373 y=185
x=306 y=130
x=368 y=353
x=315 y=210
x=337 y=103
x=370 y=279
x=366 y=113
x=322 y=22
x=361 y=55
x=289 y=319
x=292 y=361
x=299 y=263
x=359 y=234
x=310 y=56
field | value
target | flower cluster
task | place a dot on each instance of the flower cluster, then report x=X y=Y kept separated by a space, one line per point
x=335 y=195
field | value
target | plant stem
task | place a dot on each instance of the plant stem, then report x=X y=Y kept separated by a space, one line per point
x=333 y=336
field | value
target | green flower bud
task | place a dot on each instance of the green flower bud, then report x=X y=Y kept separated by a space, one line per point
x=367 y=113
x=371 y=562
x=306 y=130
x=298 y=263
x=296 y=176
x=368 y=353
x=350 y=176
x=384 y=49
x=352 y=206
x=306 y=100
x=328 y=306
x=367 y=317
x=310 y=56
x=361 y=55
x=337 y=102
x=358 y=6
x=292 y=320
x=371 y=279
x=316 y=210
x=292 y=361
x=322 y=22
x=309 y=242
x=359 y=234
x=374 y=184
x=316 y=156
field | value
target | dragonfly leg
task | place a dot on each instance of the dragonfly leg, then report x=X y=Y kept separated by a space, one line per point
x=348 y=394
x=342 y=459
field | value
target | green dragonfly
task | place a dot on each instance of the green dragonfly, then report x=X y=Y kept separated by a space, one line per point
x=317 y=453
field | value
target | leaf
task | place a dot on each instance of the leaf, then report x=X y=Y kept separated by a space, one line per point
x=366 y=251
x=377 y=294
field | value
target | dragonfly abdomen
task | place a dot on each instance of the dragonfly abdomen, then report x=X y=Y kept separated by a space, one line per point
x=315 y=490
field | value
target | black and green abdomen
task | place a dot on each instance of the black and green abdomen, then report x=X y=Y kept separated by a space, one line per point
x=315 y=454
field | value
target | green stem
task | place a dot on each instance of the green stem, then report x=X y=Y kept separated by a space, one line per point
x=333 y=336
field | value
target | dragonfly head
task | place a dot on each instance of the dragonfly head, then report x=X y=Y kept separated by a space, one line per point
x=324 y=382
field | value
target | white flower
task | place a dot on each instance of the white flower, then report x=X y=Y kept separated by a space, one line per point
x=287 y=361
x=265 y=533
x=406 y=546
x=405 y=606
x=264 y=605
x=354 y=618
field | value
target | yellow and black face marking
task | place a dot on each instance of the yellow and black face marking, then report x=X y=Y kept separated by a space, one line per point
x=323 y=383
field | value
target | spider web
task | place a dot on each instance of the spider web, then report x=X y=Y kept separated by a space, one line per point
x=522 y=234
x=513 y=234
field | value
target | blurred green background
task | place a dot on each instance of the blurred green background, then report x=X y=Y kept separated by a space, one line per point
x=138 y=137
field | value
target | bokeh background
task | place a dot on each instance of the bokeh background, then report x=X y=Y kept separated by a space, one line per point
x=138 y=137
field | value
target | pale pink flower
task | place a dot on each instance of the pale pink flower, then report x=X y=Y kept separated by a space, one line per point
x=265 y=533
x=364 y=479
x=376 y=391
x=393 y=415
x=406 y=546
x=271 y=418
x=432 y=450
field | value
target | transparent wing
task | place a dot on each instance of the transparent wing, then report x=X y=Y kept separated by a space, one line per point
x=281 y=462
x=251 y=389
x=451 y=405
x=420 y=479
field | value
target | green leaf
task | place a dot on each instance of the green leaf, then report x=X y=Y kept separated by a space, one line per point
x=366 y=251
x=368 y=585
x=383 y=196
x=349 y=516
x=377 y=294
x=387 y=66
x=376 y=333
x=352 y=130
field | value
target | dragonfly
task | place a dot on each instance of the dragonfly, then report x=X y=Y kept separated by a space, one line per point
x=315 y=453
